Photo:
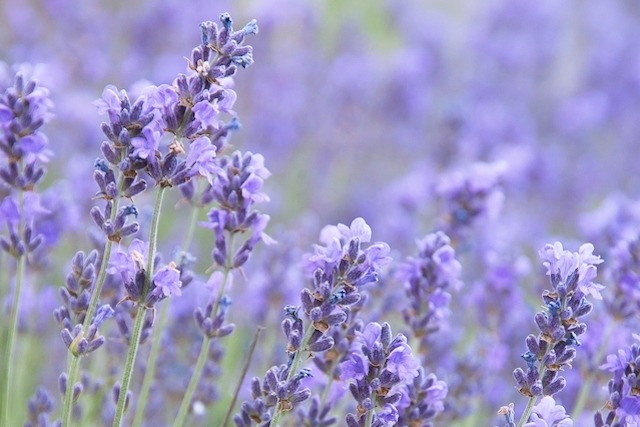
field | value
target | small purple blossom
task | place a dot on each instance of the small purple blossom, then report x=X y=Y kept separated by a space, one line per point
x=547 y=414
x=167 y=282
x=563 y=264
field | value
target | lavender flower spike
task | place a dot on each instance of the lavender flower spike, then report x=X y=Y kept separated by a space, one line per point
x=624 y=402
x=553 y=349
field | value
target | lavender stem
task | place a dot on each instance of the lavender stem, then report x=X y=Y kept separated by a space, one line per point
x=245 y=369
x=74 y=363
x=13 y=326
x=134 y=341
x=204 y=350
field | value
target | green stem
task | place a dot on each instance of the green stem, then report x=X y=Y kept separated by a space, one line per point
x=204 y=351
x=585 y=389
x=527 y=411
x=134 y=340
x=245 y=369
x=134 y=344
x=327 y=387
x=13 y=327
x=149 y=374
x=5 y=400
x=369 y=419
x=150 y=371
x=74 y=362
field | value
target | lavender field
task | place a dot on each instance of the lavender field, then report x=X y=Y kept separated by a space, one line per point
x=286 y=213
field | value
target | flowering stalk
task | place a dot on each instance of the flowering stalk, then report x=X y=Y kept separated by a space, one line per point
x=245 y=369
x=24 y=108
x=382 y=367
x=623 y=403
x=134 y=341
x=204 y=352
x=571 y=275
x=74 y=361
x=340 y=266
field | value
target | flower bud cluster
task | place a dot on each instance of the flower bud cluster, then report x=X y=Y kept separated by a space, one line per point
x=341 y=265
x=274 y=390
x=39 y=406
x=24 y=109
x=131 y=266
x=427 y=278
x=623 y=272
x=623 y=405
x=470 y=195
x=426 y=395
x=76 y=293
x=235 y=189
x=381 y=367
x=553 y=349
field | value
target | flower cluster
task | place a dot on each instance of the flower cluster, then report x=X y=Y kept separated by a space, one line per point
x=571 y=275
x=471 y=195
x=623 y=405
x=382 y=367
x=24 y=109
x=428 y=278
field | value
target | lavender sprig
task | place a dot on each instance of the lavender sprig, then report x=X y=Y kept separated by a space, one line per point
x=381 y=367
x=623 y=405
x=340 y=266
x=24 y=109
x=428 y=278
x=553 y=349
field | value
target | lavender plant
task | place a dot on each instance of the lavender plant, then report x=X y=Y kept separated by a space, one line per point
x=553 y=349
x=24 y=109
x=427 y=118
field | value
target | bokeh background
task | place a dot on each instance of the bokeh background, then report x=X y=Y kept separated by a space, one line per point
x=380 y=109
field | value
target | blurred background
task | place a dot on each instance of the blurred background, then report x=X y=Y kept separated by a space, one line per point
x=384 y=109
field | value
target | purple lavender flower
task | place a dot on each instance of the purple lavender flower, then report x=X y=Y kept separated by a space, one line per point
x=623 y=273
x=471 y=195
x=380 y=368
x=422 y=400
x=547 y=414
x=562 y=264
x=624 y=403
x=39 y=406
x=571 y=275
x=427 y=280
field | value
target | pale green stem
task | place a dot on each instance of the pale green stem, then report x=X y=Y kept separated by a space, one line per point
x=134 y=340
x=74 y=361
x=13 y=327
x=245 y=369
x=134 y=344
x=369 y=419
x=150 y=371
x=327 y=387
x=585 y=389
x=204 y=350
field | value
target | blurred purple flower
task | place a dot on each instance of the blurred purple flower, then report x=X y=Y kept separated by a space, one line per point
x=167 y=282
x=547 y=414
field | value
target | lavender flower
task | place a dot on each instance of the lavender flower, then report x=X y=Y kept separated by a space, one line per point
x=471 y=195
x=427 y=281
x=39 y=407
x=547 y=414
x=422 y=400
x=380 y=366
x=553 y=349
x=624 y=403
